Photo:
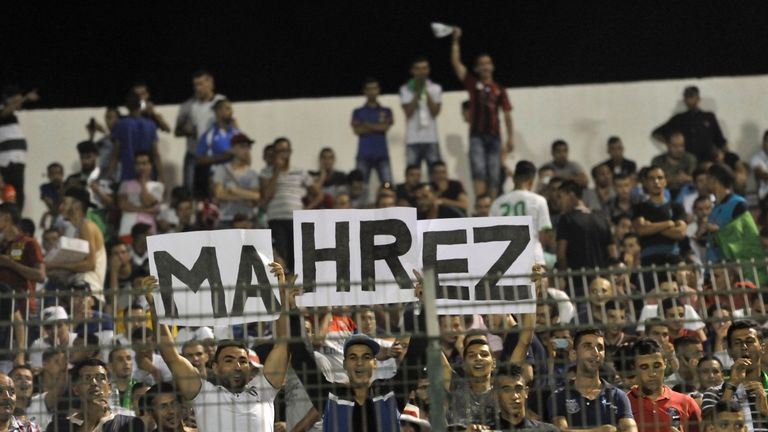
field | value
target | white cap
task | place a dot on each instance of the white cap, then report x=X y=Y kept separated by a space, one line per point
x=441 y=30
x=54 y=313
x=411 y=415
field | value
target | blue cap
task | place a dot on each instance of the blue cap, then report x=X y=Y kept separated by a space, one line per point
x=361 y=339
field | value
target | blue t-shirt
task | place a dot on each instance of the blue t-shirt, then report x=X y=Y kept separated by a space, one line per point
x=216 y=141
x=724 y=212
x=97 y=323
x=610 y=406
x=372 y=146
x=134 y=134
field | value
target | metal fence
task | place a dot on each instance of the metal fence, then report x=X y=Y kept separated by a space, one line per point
x=426 y=359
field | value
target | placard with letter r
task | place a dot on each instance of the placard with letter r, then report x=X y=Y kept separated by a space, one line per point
x=209 y=278
x=482 y=265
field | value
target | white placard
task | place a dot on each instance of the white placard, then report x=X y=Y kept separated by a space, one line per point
x=483 y=264
x=337 y=250
x=212 y=278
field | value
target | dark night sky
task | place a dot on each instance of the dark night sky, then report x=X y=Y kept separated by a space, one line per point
x=88 y=56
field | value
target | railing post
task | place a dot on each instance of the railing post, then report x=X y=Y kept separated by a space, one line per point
x=434 y=353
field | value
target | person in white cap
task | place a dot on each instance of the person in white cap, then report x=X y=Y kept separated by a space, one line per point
x=410 y=421
x=244 y=398
x=56 y=333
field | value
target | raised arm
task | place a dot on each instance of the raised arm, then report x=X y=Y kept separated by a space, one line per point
x=527 y=326
x=458 y=67
x=186 y=376
x=276 y=365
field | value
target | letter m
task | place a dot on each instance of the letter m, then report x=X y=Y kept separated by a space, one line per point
x=206 y=267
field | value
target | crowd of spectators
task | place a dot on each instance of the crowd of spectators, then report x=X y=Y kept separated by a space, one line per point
x=665 y=331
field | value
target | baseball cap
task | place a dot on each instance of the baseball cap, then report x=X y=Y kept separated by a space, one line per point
x=361 y=339
x=80 y=286
x=411 y=415
x=52 y=314
x=254 y=359
x=241 y=138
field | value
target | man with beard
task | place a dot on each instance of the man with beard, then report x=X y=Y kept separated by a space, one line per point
x=746 y=383
x=90 y=384
x=165 y=406
x=244 y=398
x=512 y=395
x=589 y=402
x=654 y=405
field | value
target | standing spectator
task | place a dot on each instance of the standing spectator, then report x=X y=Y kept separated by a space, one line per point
x=105 y=145
x=698 y=229
x=599 y=198
x=617 y=162
x=92 y=179
x=523 y=202
x=148 y=107
x=655 y=406
x=733 y=233
x=13 y=143
x=91 y=386
x=52 y=192
x=659 y=222
x=759 y=166
x=745 y=383
x=236 y=184
x=194 y=118
x=134 y=134
x=564 y=168
x=421 y=100
x=406 y=191
x=486 y=98
x=21 y=261
x=584 y=239
x=121 y=371
x=214 y=146
x=139 y=198
x=573 y=407
x=282 y=191
x=678 y=165
x=621 y=203
x=700 y=128
x=449 y=192
x=370 y=123
x=93 y=267
x=511 y=390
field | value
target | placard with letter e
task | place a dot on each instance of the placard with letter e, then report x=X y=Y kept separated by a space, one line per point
x=214 y=277
x=482 y=265
x=355 y=257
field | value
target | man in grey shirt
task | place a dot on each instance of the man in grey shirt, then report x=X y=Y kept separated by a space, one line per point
x=563 y=168
x=235 y=184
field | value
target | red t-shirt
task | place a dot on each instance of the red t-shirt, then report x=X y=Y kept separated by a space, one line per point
x=26 y=251
x=484 y=103
x=658 y=415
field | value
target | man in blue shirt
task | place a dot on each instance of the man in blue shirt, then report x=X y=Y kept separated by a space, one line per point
x=133 y=133
x=589 y=401
x=214 y=146
x=728 y=206
x=371 y=123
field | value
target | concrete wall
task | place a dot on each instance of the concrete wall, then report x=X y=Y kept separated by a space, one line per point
x=584 y=115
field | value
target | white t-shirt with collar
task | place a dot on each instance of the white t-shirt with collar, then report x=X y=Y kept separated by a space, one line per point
x=218 y=409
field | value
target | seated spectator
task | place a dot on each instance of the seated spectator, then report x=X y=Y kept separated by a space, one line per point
x=622 y=226
x=725 y=280
x=600 y=291
x=357 y=190
x=133 y=135
x=732 y=161
x=564 y=168
x=93 y=410
x=8 y=401
x=512 y=396
x=331 y=179
x=56 y=333
x=616 y=320
x=717 y=331
x=87 y=320
x=129 y=319
x=138 y=246
x=52 y=193
x=599 y=198
x=236 y=184
x=658 y=329
x=121 y=276
x=725 y=416
x=482 y=206
x=85 y=347
x=677 y=164
x=630 y=250
x=710 y=373
x=139 y=198
x=692 y=191
x=386 y=199
x=165 y=406
x=449 y=192
x=23 y=380
x=677 y=319
x=120 y=364
x=618 y=164
x=150 y=366
x=698 y=229
x=406 y=191
x=53 y=382
x=428 y=205
x=689 y=351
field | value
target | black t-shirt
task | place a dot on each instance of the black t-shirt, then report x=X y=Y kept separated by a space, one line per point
x=588 y=236
x=120 y=423
x=403 y=195
x=452 y=192
x=657 y=244
x=444 y=212
x=625 y=167
x=336 y=178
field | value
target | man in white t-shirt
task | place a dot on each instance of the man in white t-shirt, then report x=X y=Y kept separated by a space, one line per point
x=421 y=100
x=759 y=166
x=56 y=333
x=195 y=117
x=244 y=399
x=140 y=198
x=523 y=202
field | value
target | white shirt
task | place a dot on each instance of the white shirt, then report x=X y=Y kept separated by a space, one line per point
x=290 y=189
x=219 y=410
x=692 y=319
x=146 y=377
x=132 y=190
x=38 y=412
x=39 y=346
x=525 y=203
x=200 y=114
x=760 y=160
x=421 y=127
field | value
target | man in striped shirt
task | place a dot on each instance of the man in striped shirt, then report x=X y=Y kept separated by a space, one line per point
x=13 y=144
